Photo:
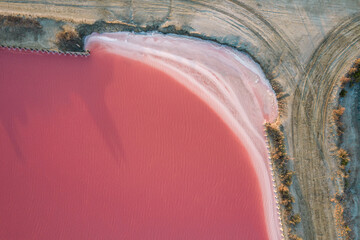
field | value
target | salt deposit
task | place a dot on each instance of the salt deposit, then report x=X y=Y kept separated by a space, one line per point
x=149 y=137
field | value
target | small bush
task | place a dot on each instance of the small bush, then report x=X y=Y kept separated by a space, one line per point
x=68 y=40
x=294 y=237
x=356 y=76
x=344 y=157
x=337 y=113
x=352 y=70
x=284 y=190
x=287 y=178
x=289 y=207
x=344 y=81
x=295 y=219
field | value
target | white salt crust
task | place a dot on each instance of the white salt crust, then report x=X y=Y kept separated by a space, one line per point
x=229 y=81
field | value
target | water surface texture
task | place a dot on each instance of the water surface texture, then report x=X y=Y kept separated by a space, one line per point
x=149 y=137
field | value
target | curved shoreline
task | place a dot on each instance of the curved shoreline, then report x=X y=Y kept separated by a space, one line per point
x=256 y=133
x=128 y=45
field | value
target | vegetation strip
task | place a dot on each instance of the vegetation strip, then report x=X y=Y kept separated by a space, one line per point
x=280 y=159
x=351 y=78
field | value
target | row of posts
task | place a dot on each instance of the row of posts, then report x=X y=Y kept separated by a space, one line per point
x=274 y=182
x=76 y=54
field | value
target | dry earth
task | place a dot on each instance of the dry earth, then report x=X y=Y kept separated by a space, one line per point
x=302 y=46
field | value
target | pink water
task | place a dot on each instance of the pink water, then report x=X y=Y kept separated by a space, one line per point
x=113 y=147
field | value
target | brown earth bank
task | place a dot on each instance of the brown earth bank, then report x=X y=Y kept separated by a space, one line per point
x=304 y=47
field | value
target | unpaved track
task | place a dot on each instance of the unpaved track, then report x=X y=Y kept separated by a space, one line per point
x=309 y=119
x=274 y=33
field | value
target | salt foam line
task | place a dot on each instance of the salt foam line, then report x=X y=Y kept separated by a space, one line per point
x=232 y=76
x=161 y=58
x=131 y=50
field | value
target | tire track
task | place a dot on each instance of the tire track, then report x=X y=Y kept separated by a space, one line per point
x=309 y=119
x=272 y=49
x=264 y=33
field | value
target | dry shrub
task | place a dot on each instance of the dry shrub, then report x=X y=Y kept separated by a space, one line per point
x=286 y=197
x=357 y=63
x=295 y=219
x=344 y=157
x=17 y=21
x=67 y=34
x=287 y=178
x=281 y=95
x=352 y=70
x=337 y=113
x=294 y=237
x=355 y=77
x=351 y=77
x=342 y=228
x=284 y=190
x=344 y=81
x=68 y=39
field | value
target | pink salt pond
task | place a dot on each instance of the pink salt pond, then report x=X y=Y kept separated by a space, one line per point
x=149 y=137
